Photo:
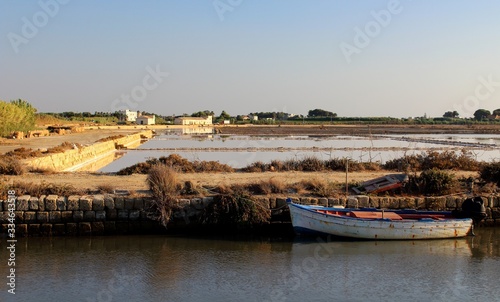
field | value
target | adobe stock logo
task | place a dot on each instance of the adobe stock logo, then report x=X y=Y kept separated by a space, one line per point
x=138 y=94
x=372 y=29
x=223 y=6
x=483 y=91
x=30 y=28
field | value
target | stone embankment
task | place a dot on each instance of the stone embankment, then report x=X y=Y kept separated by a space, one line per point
x=54 y=215
x=87 y=158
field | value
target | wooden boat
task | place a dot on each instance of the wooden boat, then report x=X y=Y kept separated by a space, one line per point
x=370 y=223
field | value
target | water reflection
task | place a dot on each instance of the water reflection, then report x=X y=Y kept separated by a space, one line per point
x=160 y=268
x=240 y=151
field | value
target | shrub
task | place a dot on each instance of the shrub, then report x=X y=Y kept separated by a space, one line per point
x=178 y=163
x=11 y=166
x=273 y=185
x=312 y=164
x=106 y=188
x=257 y=166
x=162 y=182
x=235 y=210
x=446 y=160
x=436 y=182
x=43 y=188
x=490 y=172
x=319 y=187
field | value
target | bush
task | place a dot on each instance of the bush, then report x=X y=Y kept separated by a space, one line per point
x=43 y=188
x=436 y=182
x=447 y=160
x=11 y=166
x=491 y=172
x=273 y=185
x=235 y=210
x=319 y=187
x=106 y=188
x=162 y=182
x=178 y=163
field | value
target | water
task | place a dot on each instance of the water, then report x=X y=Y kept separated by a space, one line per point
x=240 y=151
x=160 y=268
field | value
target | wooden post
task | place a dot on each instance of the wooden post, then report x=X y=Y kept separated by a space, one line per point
x=346 y=172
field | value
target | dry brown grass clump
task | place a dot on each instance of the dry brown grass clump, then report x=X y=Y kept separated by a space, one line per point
x=235 y=210
x=447 y=160
x=162 y=181
x=109 y=138
x=106 y=188
x=22 y=153
x=178 y=163
x=319 y=187
x=11 y=166
x=272 y=186
x=44 y=188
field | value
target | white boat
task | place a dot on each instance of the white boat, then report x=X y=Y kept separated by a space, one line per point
x=377 y=224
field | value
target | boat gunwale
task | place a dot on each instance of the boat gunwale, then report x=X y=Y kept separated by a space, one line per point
x=425 y=221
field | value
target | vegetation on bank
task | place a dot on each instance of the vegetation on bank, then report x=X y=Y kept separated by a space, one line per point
x=178 y=163
x=430 y=174
x=16 y=115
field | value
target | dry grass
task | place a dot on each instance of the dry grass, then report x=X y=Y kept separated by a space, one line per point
x=178 y=163
x=272 y=186
x=164 y=186
x=11 y=166
x=106 y=188
x=235 y=210
x=43 y=188
x=320 y=187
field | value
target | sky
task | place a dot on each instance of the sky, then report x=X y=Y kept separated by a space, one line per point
x=355 y=58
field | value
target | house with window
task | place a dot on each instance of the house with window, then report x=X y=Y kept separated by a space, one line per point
x=127 y=115
x=145 y=120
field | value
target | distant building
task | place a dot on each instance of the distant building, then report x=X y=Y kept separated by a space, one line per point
x=145 y=120
x=189 y=120
x=127 y=115
x=253 y=117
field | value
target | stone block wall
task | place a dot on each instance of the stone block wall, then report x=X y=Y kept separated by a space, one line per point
x=76 y=159
x=74 y=215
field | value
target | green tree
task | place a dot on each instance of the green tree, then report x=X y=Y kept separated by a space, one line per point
x=204 y=113
x=320 y=113
x=452 y=114
x=496 y=112
x=481 y=114
x=224 y=115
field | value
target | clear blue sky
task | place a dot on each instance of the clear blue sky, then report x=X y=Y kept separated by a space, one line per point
x=242 y=56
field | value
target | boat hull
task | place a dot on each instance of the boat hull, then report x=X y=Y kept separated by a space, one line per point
x=307 y=220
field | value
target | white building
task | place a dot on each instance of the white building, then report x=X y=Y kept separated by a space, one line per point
x=146 y=120
x=127 y=115
x=188 y=120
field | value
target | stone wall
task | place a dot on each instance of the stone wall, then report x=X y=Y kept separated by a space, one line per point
x=79 y=159
x=54 y=215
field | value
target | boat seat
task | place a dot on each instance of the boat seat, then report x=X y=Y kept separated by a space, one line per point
x=375 y=215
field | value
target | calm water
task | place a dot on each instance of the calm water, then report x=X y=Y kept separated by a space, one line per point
x=159 y=268
x=240 y=151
